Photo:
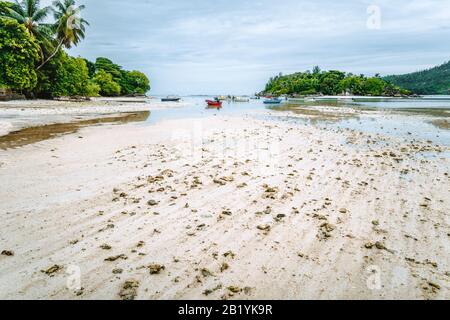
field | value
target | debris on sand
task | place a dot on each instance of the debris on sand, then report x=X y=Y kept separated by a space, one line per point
x=234 y=289
x=269 y=192
x=343 y=210
x=263 y=227
x=52 y=270
x=223 y=180
x=325 y=230
x=114 y=258
x=117 y=271
x=155 y=179
x=230 y=254
x=378 y=245
x=224 y=266
x=434 y=285
x=152 y=203
x=140 y=244
x=227 y=212
x=206 y=273
x=129 y=290
x=207 y=292
x=109 y=226
x=7 y=253
x=155 y=268
x=430 y=288
x=105 y=247
x=168 y=173
x=369 y=245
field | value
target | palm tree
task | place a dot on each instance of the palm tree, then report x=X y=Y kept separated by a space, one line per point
x=29 y=13
x=69 y=28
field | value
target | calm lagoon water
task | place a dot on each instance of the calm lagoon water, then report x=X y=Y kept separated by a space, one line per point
x=408 y=118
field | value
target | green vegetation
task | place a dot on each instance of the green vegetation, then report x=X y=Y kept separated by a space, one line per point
x=432 y=81
x=33 y=60
x=331 y=82
x=108 y=87
x=18 y=55
x=130 y=82
x=65 y=76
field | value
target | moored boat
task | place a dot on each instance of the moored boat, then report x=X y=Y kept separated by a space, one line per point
x=170 y=99
x=272 y=101
x=214 y=103
x=241 y=99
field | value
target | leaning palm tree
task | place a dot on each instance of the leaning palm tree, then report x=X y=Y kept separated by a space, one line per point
x=69 y=27
x=29 y=13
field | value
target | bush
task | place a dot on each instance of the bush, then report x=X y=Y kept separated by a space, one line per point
x=18 y=55
x=134 y=82
x=108 y=87
x=65 y=76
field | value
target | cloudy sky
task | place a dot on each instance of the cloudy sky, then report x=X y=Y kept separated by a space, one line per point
x=234 y=46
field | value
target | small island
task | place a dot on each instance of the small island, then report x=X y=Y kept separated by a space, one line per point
x=333 y=83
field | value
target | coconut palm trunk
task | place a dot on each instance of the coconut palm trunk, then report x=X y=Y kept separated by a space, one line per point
x=60 y=43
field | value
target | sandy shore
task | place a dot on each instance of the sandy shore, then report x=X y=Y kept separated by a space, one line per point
x=224 y=208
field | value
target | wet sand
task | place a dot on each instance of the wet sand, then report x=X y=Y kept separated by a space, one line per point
x=35 y=134
x=224 y=208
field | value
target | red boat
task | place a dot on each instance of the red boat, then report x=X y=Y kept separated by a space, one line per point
x=214 y=103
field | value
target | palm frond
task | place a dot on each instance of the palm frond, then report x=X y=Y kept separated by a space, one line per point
x=19 y=8
x=13 y=14
x=41 y=14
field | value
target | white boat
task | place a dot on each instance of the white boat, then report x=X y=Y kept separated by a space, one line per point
x=241 y=99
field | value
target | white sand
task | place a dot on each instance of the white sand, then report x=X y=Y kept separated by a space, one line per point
x=62 y=199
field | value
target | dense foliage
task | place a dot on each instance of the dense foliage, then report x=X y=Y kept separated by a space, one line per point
x=108 y=87
x=65 y=76
x=33 y=60
x=18 y=55
x=4 y=6
x=130 y=82
x=432 y=81
x=331 y=82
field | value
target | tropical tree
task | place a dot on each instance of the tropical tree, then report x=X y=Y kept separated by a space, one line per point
x=134 y=82
x=107 y=65
x=29 y=14
x=18 y=54
x=69 y=27
x=108 y=87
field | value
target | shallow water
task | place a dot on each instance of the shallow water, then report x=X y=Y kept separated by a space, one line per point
x=31 y=135
x=412 y=119
x=421 y=119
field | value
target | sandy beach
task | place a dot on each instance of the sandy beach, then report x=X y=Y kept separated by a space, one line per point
x=224 y=207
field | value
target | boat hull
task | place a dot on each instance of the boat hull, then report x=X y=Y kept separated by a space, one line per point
x=170 y=99
x=212 y=103
x=272 y=102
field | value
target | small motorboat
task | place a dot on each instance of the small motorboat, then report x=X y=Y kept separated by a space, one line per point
x=273 y=101
x=170 y=99
x=214 y=103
